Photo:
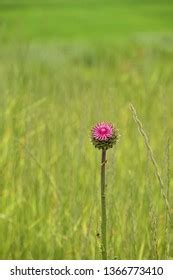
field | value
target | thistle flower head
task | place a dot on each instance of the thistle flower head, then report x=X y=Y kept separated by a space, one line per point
x=104 y=135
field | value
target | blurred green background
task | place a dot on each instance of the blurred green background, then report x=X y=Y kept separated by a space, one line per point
x=91 y=20
x=65 y=65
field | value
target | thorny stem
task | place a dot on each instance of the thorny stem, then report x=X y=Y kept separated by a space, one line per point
x=103 y=207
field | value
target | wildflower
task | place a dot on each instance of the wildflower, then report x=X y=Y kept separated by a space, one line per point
x=104 y=135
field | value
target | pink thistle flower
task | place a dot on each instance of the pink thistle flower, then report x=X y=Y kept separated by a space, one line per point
x=104 y=135
x=103 y=131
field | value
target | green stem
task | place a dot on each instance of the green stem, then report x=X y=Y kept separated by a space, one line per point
x=103 y=206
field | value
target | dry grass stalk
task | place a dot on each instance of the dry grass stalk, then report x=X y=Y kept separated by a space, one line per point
x=151 y=156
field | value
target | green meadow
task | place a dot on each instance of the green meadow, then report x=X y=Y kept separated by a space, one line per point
x=65 y=65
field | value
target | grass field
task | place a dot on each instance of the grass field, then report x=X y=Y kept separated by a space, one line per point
x=65 y=65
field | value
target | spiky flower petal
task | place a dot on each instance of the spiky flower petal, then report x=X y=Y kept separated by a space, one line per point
x=104 y=135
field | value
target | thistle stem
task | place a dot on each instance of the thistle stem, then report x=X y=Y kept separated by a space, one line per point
x=103 y=207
